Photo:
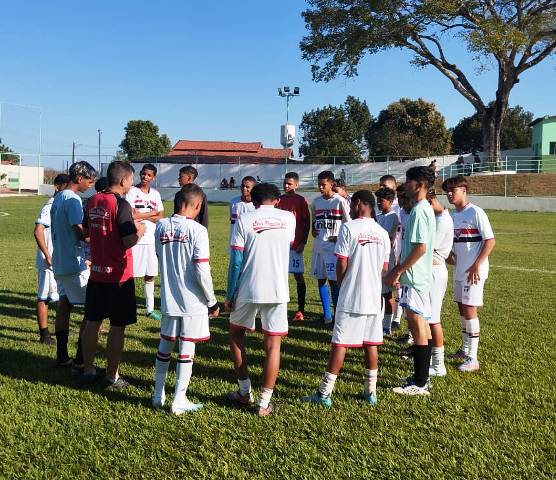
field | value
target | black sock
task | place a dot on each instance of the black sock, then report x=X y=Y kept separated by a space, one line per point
x=429 y=352
x=301 y=293
x=44 y=332
x=420 y=365
x=79 y=353
x=62 y=345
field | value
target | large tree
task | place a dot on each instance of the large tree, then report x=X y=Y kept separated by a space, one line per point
x=409 y=128
x=142 y=140
x=335 y=131
x=515 y=131
x=512 y=35
x=10 y=159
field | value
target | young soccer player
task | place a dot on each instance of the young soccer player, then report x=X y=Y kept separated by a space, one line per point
x=258 y=282
x=111 y=288
x=329 y=211
x=47 y=290
x=340 y=187
x=414 y=273
x=473 y=243
x=68 y=260
x=292 y=202
x=363 y=251
x=242 y=203
x=186 y=294
x=389 y=221
x=148 y=209
x=187 y=175
x=442 y=248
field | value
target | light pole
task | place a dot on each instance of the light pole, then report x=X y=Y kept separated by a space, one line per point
x=99 y=134
x=287 y=139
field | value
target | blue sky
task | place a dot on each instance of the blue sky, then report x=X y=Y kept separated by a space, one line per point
x=200 y=70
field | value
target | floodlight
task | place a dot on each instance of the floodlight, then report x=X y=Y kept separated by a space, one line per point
x=286 y=89
x=279 y=91
x=296 y=90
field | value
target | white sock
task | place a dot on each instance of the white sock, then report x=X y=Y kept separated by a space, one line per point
x=327 y=384
x=387 y=321
x=264 y=399
x=370 y=381
x=244 y=386
x=464 y=336
x=184 y=370
x=473 y=333
x=399 y=310
x=161 y=365
x=149 y=295
x=437 y=357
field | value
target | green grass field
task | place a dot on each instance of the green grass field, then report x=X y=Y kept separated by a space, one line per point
x=497 y=424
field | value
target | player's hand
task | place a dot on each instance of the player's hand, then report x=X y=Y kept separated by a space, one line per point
x=140 y=228
x=473 y=274
x=300 y=248
x=214 y=311
x=48 y=260
x=229 y=305
x=451 y=260
x=392 y=279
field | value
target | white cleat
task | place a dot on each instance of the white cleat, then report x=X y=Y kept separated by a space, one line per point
x=187 y=407
x=413 y=390
x=158 y=401
x=437 y=371
x=470 y=365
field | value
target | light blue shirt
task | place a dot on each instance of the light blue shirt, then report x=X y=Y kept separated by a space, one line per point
x=67 y=211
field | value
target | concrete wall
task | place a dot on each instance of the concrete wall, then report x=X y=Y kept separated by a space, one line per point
x=29 y=177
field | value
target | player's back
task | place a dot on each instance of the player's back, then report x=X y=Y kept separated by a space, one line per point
x=181 y=242
x=264 y=236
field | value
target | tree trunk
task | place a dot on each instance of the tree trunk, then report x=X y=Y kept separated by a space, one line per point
x=491 y=126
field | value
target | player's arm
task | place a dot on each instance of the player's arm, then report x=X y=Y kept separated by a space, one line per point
x=38 y=232
x=203 y=213
x=305 y=219
x=202 y=272
x=473 y=271
x=341 y=269
x=234 y=271
x=314 y=230
x=131 y=231
x=418 y=250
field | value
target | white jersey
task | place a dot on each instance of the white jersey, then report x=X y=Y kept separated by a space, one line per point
x=367 y=246
x=182 y=247
x=44 y=220
x=144 y=203
x=444 y=237
x=328 y=216
x=471 y=229
x=238 y=207
x=390 y=222
x=264 y=236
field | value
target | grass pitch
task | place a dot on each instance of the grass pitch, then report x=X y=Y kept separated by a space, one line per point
x=496 y=424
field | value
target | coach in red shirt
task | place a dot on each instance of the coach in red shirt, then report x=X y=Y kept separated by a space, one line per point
x=111 y=288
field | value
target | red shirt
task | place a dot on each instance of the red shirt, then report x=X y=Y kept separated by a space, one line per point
x=298 y=206
x=109 y=218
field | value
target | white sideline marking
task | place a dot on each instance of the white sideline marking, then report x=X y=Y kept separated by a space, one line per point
x=4 y=214
x=522 y=269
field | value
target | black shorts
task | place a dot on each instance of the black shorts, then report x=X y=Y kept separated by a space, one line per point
x=111 y=300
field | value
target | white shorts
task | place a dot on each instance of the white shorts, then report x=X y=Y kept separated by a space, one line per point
x=296 y=262
x=47 y=290
x=274 y=317
x=469 y=294
x=416 y=301
x=187 y=328
x=438 y=290
x=145 y=261
x=355 y=330
x=323 y=265
x=73 y=286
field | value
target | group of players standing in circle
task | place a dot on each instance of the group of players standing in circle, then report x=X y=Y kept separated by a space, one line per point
x=372 y=259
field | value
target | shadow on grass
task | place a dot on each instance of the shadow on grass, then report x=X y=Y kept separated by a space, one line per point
x=18 y=305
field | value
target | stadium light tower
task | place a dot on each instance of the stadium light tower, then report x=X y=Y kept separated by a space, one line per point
x=287 y=131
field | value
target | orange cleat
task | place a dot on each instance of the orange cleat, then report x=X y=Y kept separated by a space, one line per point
x=298 y=317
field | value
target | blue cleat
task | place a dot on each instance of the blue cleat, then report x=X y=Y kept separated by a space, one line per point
x=324 y=400
x=371 y=399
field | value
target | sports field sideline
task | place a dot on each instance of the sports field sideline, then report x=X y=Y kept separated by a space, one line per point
x=496 y=424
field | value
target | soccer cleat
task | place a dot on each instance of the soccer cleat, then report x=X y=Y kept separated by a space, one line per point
x=395 y=326
x=244 y=400
x=459 y=355
x=119 y=384
x=298 y=317
x=327 y=321
x=470 y=365
x=412 y=389
x=64 y=363
x=158 y=401
x=437 y=371
x=319 y=399
x=386 y=332
x=187 y=407
x=47 y=340
x=370 y=398
x=154 y=315
x=266 y=411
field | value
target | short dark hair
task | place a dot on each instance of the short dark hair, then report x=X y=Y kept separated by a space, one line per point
x=340 y=182
x=117 y=170
x=81 y=169
x=61 y=179
x=454 y=182
x=292 y=175
x=249 y=178
x=326 y=175
x=400 y=189
x=263 y=192
x=421 y=174
x=189 y=170
x=186 y=195
x=365 y=197
x=101 y=184
x=386 y=193
x=387 y=178
x=151 y=167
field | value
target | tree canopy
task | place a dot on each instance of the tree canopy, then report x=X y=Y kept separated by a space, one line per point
x=335 y=131
x=142 y=140
x=514 y=36
x=10 y=159
x=409 y=128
